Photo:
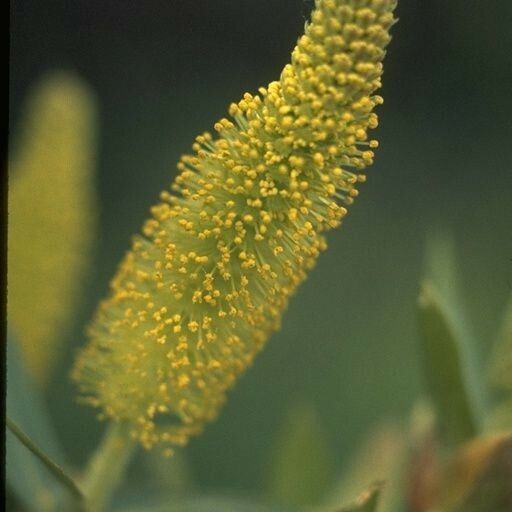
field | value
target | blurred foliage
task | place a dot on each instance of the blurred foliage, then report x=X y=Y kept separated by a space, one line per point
x=479 y=478
x=52 y=214
x=171 y=475
x=419 y=490
x=366 y=502
x=443 y=367
x=33 y=486
x=380 y=458
x=501 y=363
x=207 y=504
x=500 y=373
x=163 y=72
x=302 y=463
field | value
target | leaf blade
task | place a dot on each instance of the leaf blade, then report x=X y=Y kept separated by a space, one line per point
x=443 y=366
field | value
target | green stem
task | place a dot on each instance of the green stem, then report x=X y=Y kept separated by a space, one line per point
x=55 y=469
x=107 y=466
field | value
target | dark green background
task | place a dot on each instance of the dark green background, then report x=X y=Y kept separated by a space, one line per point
x=165 y=71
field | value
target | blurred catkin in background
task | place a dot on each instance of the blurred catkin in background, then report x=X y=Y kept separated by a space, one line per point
x=52 y=216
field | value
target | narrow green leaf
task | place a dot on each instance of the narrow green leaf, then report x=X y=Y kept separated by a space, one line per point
x=301 y=462
x=52 y=466
x=443 y=272
x=441 y=267
x=444 y=367
x=26 y=476
x=367 y=501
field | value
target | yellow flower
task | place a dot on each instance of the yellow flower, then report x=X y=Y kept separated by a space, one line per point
x=201 y=290
x=51 y=216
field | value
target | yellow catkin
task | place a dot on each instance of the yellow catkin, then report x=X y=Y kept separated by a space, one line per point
x=51 y=206
x=202 y=288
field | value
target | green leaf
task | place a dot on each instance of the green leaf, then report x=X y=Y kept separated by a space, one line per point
x=301 y=462
x=441 y=268
x=444 y=366
x=367 y=501
x=26 y=476
x=442 y=271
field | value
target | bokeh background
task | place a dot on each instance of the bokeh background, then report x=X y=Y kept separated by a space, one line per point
x=164 y=71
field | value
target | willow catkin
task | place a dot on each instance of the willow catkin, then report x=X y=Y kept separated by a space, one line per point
x=52 y=207
x=202 y=288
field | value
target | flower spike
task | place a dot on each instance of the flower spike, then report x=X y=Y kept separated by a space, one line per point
x=202 y=288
